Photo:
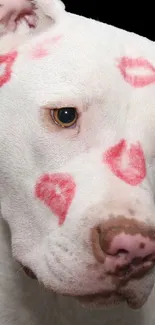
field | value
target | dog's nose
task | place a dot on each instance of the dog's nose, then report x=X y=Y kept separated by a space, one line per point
x=125 y=246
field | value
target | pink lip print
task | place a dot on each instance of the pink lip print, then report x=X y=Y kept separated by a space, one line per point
x=7 y=61
x=57 y=192
x=126 y=65
x=43 y=49
x=134 y=170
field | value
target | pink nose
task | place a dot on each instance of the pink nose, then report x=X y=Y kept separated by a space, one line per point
x=125 y=246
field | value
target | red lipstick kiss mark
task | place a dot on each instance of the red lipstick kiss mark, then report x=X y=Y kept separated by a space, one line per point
x=6 y=62
x=127 y=66
x=57 y=192
x=41 y=49
x=126 y=163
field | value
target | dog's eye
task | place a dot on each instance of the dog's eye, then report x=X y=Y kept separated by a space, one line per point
x=65 y=117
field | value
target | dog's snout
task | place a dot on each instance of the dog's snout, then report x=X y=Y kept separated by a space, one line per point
x=125 y=246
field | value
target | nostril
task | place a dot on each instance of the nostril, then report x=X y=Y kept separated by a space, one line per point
x=121 y=252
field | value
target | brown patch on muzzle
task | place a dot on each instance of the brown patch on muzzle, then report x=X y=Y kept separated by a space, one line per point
x=104 y=233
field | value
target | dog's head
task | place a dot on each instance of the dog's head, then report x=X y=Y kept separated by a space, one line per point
x=77 y=134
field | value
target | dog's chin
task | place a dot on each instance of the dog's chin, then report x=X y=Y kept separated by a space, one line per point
x=134 y=297
x=134 y=294
x=100 y=300
x=104 y=300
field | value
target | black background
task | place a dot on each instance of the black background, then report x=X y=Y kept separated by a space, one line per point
x=137 y=17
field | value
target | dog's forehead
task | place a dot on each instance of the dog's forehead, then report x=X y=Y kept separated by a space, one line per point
x=81 y=57
x=76 y=52
x=81 y=52
x=64 y=61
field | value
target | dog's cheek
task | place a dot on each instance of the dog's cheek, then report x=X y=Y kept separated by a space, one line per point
x=56 y=191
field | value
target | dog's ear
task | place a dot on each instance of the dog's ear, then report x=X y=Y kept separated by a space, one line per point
x=51 y=8
x=13 y=12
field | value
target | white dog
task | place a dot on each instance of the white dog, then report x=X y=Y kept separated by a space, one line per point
x=77 y=169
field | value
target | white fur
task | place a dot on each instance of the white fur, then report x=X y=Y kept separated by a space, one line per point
x=80 y=71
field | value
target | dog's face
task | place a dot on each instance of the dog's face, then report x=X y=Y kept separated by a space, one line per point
x=77 y=160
